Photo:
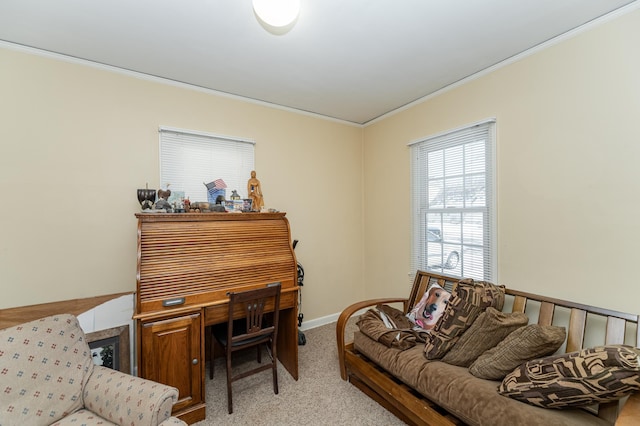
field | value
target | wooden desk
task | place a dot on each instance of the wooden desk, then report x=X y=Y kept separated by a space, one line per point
x=187 y=263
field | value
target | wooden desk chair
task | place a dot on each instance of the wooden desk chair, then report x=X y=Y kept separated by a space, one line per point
x=255 y=333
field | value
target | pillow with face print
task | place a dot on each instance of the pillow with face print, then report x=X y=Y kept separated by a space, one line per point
x=430 y=307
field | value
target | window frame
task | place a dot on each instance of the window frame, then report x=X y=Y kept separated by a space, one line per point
x=420 y=209
x=244 y=149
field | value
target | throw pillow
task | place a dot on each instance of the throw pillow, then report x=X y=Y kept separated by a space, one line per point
x=468 y=300
x=589 y=376
x=524 y=344
x=491 y=327
x=429 y=309
x=390 y=327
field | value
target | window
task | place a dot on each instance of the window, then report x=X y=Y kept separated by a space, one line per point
x=189 y=160
x=453 y=202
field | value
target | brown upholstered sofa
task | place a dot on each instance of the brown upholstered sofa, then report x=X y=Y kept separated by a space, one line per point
x=47 y=377
x=424 y=391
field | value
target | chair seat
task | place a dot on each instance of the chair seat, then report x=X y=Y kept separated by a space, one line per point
x=83 y=417
x=249 y=341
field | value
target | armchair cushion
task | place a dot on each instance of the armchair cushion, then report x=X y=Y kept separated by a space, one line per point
x=83 y=417
x=44 y=365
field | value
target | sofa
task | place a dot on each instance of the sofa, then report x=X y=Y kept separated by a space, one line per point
x=432 y=378
x=48 y=377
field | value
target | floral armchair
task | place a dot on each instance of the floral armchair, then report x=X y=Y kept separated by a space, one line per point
x=47 y=377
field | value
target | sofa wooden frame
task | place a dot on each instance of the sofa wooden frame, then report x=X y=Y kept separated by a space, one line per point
x=415 y=409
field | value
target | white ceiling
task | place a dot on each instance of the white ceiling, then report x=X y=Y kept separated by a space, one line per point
x=353 y=60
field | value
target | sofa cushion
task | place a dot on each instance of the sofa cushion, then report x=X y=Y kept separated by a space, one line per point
x=44 y=365
x=589 y=376
x=522 y=345
x=472 y=400
x=468 y=300
x=491 y=327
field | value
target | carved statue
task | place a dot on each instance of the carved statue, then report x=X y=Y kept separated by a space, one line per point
x=255 y=192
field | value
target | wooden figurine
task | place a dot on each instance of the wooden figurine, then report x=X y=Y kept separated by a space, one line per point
x=255 y=192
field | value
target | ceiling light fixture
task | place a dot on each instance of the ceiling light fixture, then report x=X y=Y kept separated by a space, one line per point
x=277 y=16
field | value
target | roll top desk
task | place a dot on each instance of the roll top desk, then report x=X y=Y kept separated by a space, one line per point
x=187 y=263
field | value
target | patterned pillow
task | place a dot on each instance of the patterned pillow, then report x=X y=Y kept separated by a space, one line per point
x=468 y=300
x=390 y=327
x=522 y=345
x=430 y=308
x=595 y=375
x=491 y=327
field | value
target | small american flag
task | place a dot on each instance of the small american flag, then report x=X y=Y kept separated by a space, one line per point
x=216 y=184
x=219 y=183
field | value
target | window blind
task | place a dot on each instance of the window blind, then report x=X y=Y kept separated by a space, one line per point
x=453 y=195
x=190 y=159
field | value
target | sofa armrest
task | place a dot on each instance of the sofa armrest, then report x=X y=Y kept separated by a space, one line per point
x=348 y=313
x=125 y=399
x=630 y=412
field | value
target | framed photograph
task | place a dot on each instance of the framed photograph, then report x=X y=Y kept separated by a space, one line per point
x=246 y=204
x=110 y=348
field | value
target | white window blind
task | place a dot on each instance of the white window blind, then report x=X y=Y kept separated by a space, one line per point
x=453 y=202
x=189 y=159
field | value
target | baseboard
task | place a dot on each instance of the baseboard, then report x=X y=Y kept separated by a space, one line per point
x=318 y=322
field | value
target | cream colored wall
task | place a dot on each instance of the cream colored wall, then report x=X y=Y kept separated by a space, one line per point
x=568 y=180
x=78 y=141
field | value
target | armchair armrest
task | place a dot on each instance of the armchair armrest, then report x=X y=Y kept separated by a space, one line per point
x=125 y=399
x=630 y=412
x=348 y=313
x=173 y=421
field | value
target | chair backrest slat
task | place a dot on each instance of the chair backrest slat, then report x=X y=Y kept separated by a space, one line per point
x=254 y=310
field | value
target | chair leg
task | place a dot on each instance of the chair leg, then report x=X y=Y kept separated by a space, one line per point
x=229 y=398
x=274 y=361
x=258 y=348
x=275 y=379
x=211 y=356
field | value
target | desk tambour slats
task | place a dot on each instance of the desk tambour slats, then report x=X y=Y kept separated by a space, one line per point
x=203 y=256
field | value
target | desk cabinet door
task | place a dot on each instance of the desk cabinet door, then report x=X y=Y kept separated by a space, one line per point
x=170 y=354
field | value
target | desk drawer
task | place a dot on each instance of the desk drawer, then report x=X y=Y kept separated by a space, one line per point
x=217 y=314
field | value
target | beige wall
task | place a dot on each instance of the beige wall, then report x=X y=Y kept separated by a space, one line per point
x=568 y=145
x=78 y=141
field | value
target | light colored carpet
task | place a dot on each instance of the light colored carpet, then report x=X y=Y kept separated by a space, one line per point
x=319 y=397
